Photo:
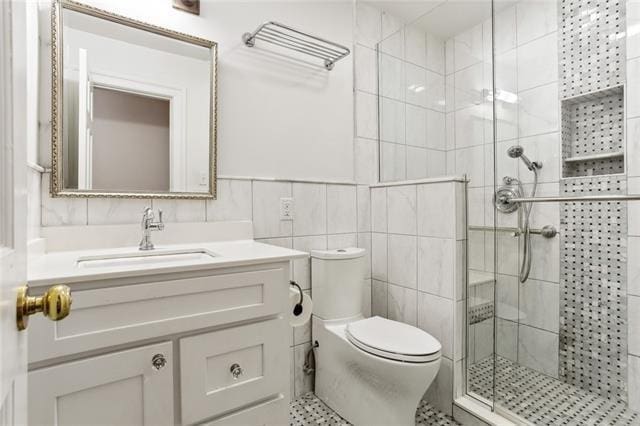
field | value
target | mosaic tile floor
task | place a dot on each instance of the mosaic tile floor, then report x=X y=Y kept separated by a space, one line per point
x=308 y=410
x=543 y=400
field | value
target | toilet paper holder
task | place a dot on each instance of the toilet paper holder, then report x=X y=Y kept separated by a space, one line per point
x=297 y=310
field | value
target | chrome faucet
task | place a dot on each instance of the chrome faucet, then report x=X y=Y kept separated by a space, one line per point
x=149 y=225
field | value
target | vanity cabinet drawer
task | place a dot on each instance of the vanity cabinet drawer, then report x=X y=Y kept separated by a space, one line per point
x=122 y=388
x=118 y=314
x=271 y=413
x=231 y=369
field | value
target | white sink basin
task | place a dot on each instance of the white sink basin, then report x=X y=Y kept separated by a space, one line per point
x=149 y=258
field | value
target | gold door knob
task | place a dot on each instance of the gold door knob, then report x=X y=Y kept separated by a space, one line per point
x=55 y=304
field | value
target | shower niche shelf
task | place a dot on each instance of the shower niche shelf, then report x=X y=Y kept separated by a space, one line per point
x=593 y=133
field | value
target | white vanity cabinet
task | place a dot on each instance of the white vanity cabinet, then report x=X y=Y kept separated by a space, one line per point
x=187 y=347
x=120 y=388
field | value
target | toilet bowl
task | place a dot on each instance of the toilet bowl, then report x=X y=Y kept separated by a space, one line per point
x=371 y=371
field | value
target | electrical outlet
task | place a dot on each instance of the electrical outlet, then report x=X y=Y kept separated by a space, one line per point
x=286 y=208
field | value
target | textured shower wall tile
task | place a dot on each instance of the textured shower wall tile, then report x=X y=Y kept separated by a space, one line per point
x=595 y=42
x=538 y=110
x=538 y=350
x=539 y=304
x=538 y=62
x=507 y=339
x=593 y=303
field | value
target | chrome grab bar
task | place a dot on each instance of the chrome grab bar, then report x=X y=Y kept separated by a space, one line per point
x=580 y=199
x=548 y=231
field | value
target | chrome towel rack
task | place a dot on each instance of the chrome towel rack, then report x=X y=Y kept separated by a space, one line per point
x=290 y=38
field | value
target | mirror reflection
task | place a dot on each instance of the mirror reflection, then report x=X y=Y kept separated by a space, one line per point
x=136 y=109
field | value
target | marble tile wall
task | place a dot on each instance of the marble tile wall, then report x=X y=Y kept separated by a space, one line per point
x=418 y=249
x=411 y=105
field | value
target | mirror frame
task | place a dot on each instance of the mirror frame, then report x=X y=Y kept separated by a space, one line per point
x=56 y=183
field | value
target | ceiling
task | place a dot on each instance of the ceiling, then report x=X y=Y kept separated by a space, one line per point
x=444 y=18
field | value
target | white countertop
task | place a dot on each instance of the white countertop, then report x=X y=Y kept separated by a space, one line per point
x=61 y=267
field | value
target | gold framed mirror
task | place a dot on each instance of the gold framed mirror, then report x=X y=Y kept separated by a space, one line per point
x=133 y=108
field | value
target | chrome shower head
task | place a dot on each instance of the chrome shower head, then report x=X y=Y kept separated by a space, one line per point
x=516 y=151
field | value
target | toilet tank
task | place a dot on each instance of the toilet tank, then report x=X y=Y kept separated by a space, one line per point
x=337 y=278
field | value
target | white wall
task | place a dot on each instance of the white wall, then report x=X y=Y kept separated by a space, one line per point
x=278 y=117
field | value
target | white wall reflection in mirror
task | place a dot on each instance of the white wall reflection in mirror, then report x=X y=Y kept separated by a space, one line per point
x=136 y=109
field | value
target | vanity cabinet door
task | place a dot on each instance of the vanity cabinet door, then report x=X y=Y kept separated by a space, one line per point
x=233 y=369
x=133 y=387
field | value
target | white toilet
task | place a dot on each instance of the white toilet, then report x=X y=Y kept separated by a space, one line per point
x=370 y=371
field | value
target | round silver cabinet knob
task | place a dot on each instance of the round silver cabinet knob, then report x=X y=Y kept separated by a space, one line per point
x=236 y=371
x=158 y=361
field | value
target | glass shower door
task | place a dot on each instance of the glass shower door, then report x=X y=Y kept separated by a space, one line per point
x=566 y=311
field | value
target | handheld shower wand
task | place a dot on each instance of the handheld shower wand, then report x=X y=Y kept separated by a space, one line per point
x=516 y=151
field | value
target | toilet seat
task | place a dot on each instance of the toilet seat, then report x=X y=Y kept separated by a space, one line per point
x=393 y=340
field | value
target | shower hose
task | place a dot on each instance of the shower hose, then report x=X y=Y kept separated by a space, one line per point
x=523 y=219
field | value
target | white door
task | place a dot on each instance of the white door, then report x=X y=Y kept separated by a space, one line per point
x=13 y=210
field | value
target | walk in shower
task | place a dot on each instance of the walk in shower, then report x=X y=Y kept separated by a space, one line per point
x=537 y=104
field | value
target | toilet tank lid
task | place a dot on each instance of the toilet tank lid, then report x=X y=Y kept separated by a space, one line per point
x=341 y=253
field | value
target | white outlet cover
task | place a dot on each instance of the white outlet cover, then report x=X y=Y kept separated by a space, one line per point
x=286 y=208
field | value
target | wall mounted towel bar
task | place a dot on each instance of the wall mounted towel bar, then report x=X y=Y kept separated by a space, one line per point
x=289 y=38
